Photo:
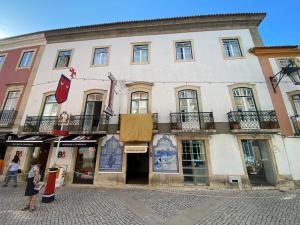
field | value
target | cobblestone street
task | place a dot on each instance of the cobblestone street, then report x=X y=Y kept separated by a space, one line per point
x=136 y=205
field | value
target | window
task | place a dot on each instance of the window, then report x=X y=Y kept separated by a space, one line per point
x=50 y=107
x=243 y=99
x=100 y=56
x=92 y=111
x=285 y=62
x=232 y=48
x=2 y=58
x=63 y=59
x=140 y=53
x=139 y=102
x=184 y=51
x=11 y=100
x=296 y=101
x=26 y=59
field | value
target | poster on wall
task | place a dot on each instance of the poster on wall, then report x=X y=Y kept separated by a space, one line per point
x=111 y=155
x=165 y=154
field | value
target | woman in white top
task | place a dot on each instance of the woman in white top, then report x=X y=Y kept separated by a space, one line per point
x=33 y=180
x=12 y=171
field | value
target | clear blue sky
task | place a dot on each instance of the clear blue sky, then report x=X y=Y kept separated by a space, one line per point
x=280 y=27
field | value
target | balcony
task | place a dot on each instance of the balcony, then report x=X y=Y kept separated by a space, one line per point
x=40 y=124
x=7 y=118
x=253 y=120
x=88 y=123
x=77 y=124
x=192 y=121
x=296 y=124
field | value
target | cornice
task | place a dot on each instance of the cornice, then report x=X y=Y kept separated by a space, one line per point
x=22 y=41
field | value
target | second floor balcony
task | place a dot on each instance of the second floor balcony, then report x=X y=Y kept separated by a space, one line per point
x=7 y=118
x=76 y=124
x=253 y=120
x=192 y=121
x=296 y=124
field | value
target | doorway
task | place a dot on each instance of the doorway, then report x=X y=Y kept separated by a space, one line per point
x=92 y=112
x=258 y=162
x=41 y=154
x=137 y=168
x=85 y=165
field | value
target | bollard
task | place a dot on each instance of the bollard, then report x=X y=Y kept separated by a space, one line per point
x=49 y=193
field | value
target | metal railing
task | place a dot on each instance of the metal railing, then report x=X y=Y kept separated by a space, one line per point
x=296 y=124
x=154 y=118
x=88 y=123
x=7 y=118
x=42 y=124
x=266 y=119
x=192 y=121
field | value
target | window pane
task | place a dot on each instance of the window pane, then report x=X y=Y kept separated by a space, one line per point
x=140 y=53
x=139 y=102
x=63 y=59
x=184 y=51
x=296 y=100
x=26 y=59
x=2 y=57
x=100 y=56
x=51 y=106
x=232 y=48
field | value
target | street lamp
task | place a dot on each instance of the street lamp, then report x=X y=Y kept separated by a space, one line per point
x=292 y=70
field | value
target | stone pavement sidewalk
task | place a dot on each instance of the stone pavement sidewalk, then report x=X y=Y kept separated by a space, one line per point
x=137 y=205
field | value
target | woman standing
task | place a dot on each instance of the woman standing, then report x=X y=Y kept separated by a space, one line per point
x=33 y=180
x=12 y=171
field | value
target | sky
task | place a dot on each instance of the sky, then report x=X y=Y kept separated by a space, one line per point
x=280 y=27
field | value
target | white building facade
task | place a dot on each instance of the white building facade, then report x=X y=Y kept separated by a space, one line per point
x=213 y=121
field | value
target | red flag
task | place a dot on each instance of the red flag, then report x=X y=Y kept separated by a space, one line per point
x=62 y=90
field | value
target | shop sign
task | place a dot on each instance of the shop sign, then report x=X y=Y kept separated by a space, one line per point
x=165 y=154
x=136 y=148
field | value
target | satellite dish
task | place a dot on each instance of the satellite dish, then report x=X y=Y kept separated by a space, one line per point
x=297 y=61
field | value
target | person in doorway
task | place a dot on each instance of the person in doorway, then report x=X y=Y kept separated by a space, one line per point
x=12 y=171
x=33 y=180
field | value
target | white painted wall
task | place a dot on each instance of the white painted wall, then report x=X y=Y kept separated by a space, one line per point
x=208 y=68
x=225 y=155
x=293 y=152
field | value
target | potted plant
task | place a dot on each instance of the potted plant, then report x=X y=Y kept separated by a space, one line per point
x=235 y=125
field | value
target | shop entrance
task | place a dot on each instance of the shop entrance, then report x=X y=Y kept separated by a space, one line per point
x=137 y=168
x=85 y=165
x=2 y=155
x=258 y=162
x=41 y=153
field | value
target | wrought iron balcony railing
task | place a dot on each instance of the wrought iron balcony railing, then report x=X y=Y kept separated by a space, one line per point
x=296 y=124
x=88 y=123
x=266 y=119
x=192 y=121
x=7 y=118
x=42 y=124
x=154 y=118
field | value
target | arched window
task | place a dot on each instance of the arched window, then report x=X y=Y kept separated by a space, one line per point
x=139 y=102
x=188 y=101
x=296 y=101
x=50 y=106
x=243 y=99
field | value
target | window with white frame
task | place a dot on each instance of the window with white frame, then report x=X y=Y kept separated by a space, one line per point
x=232 y=48
x=50 y=106
x=139 y=102
x=26 y=59
x=11 y=100
x=63 y=59
x=296 y=101
x=184 y=51
x=2 y=58
x=100 y=56
x=140 y=53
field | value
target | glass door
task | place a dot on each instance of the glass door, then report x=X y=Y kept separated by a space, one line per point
x=92 y=112
x=49 y=114
x=194 y=163
x=245 y=104
x=189 y=110
x=85 y=165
